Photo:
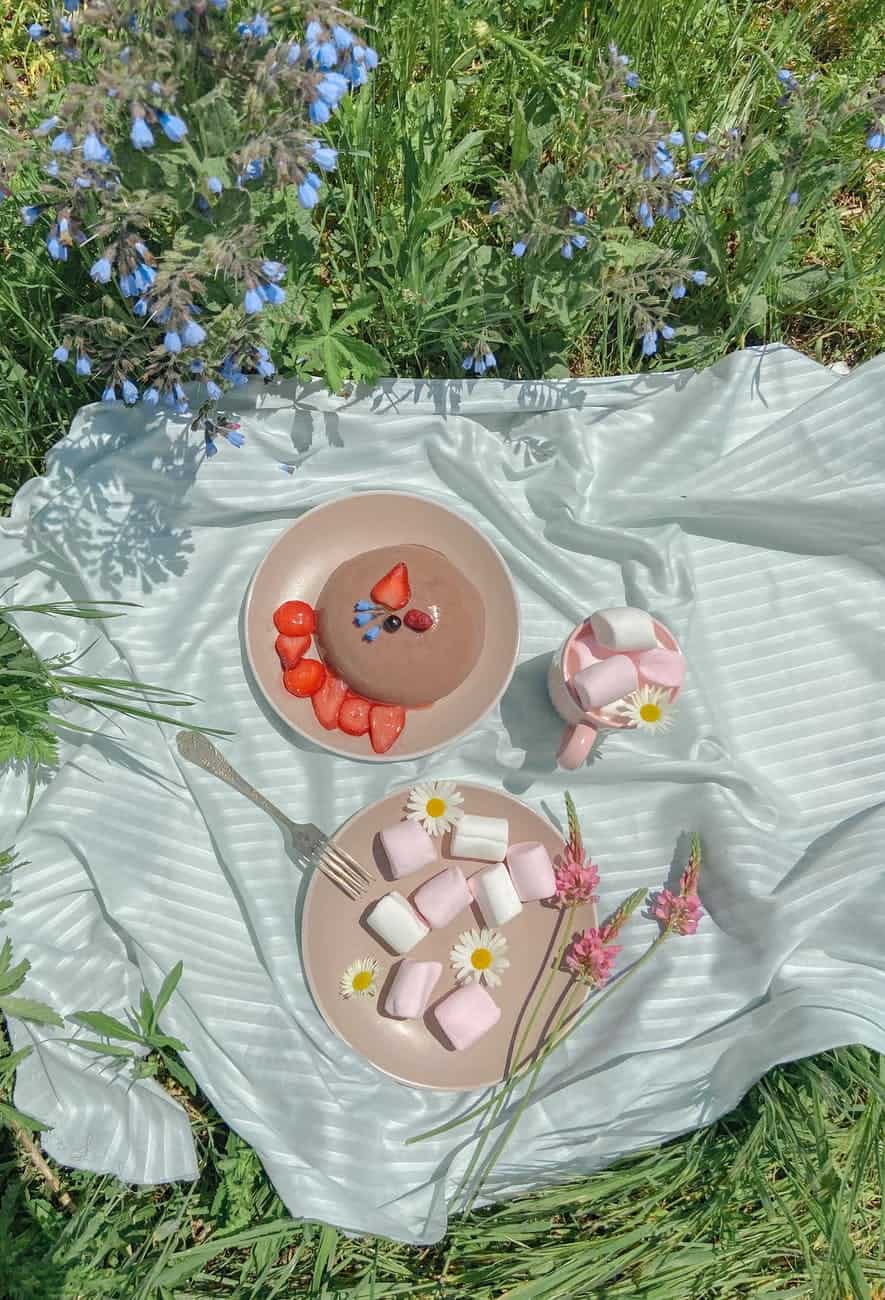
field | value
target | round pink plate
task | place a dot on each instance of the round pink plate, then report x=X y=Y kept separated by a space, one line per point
x=302 y=558
x=334 y=934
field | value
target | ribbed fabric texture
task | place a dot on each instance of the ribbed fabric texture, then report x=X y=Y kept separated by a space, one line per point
x=745 y=506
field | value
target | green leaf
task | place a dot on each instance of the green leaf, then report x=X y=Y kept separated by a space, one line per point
x=107 y=1026
x=179 y=1073
x=520 y=145
x=10 y=1116
x=161 y=1041
x=324 y=311
x=334 y=373
x=101 y=1049
x=28 y=1009
x=168 y=988
x=14 y=978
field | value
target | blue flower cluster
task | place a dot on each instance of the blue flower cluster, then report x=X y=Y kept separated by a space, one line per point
x=344 y=61
x=650 y=334
x=266 y=290
x=876 y=136
x=315 y=74
x=479 y=360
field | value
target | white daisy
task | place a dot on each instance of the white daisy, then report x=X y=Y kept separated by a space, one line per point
x=360 y=979
x=479 y=955
x=649 y=707
x=436 y=805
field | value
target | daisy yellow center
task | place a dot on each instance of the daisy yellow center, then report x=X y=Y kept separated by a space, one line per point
x=480 y=959
x=435 y=807
x=650 y=712
x=361 y=981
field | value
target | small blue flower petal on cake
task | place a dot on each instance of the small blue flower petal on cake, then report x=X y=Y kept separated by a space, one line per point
x=372 y=633
x=362 y=619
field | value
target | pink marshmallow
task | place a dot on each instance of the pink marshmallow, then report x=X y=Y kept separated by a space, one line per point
x=662 y=667
x=466 y=1014
x=411 y=988
x=442 y=897
x=605 y=682
x=579 y=656
x=531 y=871
x=408 y=848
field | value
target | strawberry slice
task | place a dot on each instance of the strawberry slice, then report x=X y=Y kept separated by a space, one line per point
x=393 y=589
x=353 y=716
x=386 y=721
x=295 y=618
x=327 y=701
x=306 y=678
x=291 y=649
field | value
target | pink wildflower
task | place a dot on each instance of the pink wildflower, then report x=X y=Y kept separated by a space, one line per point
x=576 y=879
x=680 y=913
x=590 y=959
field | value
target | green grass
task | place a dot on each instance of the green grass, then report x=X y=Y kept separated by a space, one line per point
x=784 y=1197
x=781 y=1198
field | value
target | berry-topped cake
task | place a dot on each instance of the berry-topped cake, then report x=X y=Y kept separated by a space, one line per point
x=400 y=625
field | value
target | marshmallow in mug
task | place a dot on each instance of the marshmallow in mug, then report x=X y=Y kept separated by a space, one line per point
x=408 y=848
x=606 y=681
x=624 y=628
x=466 y=1014
x=495 y=894
x=396 y=923
x=411 y=988
x=663 y=667
x=482 y=838
x=442 y=897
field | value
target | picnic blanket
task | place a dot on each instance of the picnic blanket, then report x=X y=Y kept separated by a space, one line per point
x=744 y=506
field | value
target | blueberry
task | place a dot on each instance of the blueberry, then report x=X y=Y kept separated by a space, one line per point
x=392 y=623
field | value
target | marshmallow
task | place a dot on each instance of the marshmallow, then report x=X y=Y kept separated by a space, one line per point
x=579 y=656
x=411 y=988
x=466 y=1014
x=531 y=871
x=408 y=848
x=484 y=838
x=396 y=923
x=624 y=628
x=662 y=667
x=496 y=895
x=605 y=682
x=442 y=897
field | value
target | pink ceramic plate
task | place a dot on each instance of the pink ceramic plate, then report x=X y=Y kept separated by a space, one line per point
x=334 y=934
x=296 y=568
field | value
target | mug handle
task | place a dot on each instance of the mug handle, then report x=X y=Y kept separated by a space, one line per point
x=575 y=744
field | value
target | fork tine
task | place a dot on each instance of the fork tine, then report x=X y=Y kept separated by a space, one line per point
x=331 y=856
x=331 y=872
x=351 y=862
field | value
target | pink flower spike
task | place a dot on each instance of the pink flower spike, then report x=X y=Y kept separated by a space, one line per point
x=576 y=880
x=680 y=913
x=590 y=960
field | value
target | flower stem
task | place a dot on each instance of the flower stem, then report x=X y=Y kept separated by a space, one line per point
x=561 y=1031
x=503 y=1091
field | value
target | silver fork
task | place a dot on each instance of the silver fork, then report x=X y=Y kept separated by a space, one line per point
x=311 y=845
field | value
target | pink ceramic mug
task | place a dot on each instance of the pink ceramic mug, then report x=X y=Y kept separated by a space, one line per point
x=584 y=725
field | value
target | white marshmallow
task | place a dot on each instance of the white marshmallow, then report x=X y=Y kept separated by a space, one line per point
x=396 y=922
x=484 y=838
x=496 y=895
x=624 y=628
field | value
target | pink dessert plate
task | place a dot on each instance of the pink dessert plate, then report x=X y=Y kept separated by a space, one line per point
x=334 y=934
x=301 y=560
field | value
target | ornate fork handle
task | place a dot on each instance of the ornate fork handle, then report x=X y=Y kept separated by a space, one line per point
x=200 y=750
